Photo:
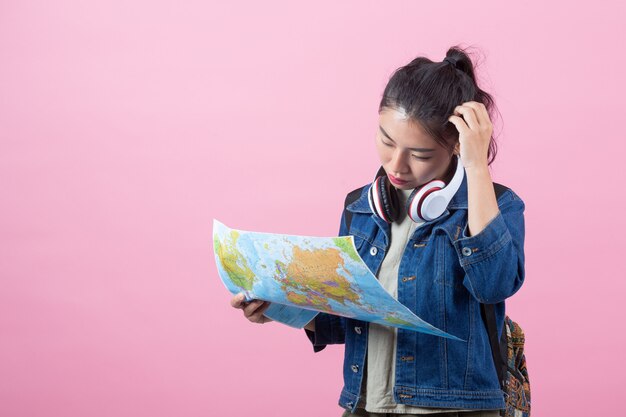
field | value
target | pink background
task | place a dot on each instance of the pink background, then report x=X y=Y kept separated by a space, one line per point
x=127 y=126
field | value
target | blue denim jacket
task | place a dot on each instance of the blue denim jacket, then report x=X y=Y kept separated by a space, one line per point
x=443 y=277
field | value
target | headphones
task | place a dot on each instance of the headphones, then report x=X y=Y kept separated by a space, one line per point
x=424 y=204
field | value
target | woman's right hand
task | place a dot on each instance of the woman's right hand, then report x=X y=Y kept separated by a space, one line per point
x=252 y=310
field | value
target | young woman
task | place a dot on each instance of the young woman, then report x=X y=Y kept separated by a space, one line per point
x=441 y=259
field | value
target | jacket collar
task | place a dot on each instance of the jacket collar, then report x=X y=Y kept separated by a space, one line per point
x=361 y=205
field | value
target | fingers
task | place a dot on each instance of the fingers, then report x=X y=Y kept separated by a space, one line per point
x=252 y=310
x=485 y=119
x=469 y=115
x=238 y=301
x=257 y=316
x=480 y=114
x=475 y=119
x=460 y=124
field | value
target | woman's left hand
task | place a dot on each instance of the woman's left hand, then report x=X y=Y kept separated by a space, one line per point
x=475 y=130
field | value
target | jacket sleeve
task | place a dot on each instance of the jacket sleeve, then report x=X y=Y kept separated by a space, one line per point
x=329 y=328
x=493 y=259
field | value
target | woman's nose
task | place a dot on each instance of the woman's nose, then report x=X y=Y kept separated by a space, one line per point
x=398 y=162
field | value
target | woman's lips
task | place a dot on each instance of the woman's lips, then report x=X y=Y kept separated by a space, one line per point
x=396 y=181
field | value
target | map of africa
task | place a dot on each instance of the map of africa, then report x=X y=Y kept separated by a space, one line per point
x=304 y=275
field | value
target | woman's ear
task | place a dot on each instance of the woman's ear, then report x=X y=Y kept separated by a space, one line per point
x=457 y=149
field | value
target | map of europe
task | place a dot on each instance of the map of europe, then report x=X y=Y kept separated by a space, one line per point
x=304 y=275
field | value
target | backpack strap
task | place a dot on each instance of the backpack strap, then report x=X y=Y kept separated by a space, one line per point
x=499 y=189
x=350 y=198
x=499 y=348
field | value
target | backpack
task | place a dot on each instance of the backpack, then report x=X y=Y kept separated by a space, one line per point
x=508 y=352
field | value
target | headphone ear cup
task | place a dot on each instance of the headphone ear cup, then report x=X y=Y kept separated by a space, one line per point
x=433 y=205
x=383 y=201
x=432 y=199
x=415 y=202
x=389 y=198
x=374 y=200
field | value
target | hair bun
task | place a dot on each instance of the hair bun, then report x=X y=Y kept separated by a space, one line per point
x=450 y=60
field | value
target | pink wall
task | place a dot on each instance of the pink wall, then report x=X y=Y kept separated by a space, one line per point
x=127 y=126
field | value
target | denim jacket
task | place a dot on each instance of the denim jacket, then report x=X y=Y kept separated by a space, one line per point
x=443 y=277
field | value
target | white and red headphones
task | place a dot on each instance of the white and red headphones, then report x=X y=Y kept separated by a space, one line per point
x=424 y=204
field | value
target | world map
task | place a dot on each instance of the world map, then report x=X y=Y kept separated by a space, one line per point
x=304 y=275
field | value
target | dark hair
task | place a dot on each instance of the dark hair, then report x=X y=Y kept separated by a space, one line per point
x=429 y=91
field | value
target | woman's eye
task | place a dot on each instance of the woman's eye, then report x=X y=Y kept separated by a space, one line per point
x=385 y=143
x=421 y=158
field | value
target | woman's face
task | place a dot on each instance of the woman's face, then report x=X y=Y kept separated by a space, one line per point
x=409 y=156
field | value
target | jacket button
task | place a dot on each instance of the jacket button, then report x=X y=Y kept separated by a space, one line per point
x=466 y=251
x=373 y=251
x=350 y=404
x=357 y=330
x=355 y=368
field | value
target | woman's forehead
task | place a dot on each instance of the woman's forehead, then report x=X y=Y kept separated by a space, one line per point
x=397 y=113
x=396 y=125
